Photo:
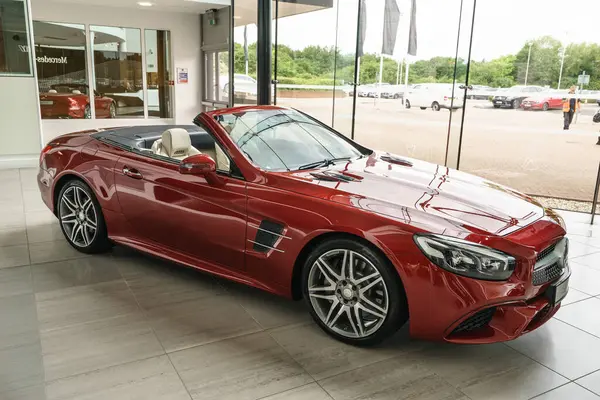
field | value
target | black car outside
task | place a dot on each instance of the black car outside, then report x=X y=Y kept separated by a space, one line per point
x=513 y=97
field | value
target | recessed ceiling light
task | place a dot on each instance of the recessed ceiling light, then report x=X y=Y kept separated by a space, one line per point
x=145 y=4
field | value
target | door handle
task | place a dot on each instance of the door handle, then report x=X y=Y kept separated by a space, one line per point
x=132 y=173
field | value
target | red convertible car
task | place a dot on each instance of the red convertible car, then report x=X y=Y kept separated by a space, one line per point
x=545 y=102
x=72 y=101
x=272 y=198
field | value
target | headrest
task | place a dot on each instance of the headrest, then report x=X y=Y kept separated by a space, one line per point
x=176 y=142
x=76 y=91
x=52 y=91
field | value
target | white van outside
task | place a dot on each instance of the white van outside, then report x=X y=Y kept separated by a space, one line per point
x=435 y=96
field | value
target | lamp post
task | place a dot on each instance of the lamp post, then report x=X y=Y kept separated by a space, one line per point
x=528 y=60
x=562 y=65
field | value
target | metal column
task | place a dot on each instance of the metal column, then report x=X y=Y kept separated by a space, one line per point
x=263 y=52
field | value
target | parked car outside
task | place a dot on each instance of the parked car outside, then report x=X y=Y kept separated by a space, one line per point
x=479 y=92
x=392 y=92
x=435 y=96
x=544 y=101
x=273 y=198
x=514 y=96
x=73 y=101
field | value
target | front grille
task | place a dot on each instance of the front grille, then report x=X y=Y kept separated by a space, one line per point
x=476 y=321
x=546 y=252
x=547 y=274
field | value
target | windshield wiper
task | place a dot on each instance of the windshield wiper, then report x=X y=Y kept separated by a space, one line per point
x=323 y=163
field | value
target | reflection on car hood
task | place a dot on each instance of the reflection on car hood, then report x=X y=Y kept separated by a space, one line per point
x=425 y=195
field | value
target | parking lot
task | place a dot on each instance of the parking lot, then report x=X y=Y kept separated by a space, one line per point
x=526 y=150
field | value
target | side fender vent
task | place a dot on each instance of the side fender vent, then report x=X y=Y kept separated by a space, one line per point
x=267 y=235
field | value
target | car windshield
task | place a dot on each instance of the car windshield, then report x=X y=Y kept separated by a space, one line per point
x=285 y=140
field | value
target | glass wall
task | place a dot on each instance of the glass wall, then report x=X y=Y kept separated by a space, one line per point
x=14 y=44
x=117 y=65
x=519 y=139
x=61 y=70
x=245 y=36
x=159 y=73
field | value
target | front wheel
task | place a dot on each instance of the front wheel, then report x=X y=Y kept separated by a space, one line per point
x=406 y=103
x=81 y=219
x=435 y=106
x=546 y=106
x=516 y=104
x=353 y=293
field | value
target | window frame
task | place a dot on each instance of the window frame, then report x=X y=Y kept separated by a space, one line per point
x=30 y=46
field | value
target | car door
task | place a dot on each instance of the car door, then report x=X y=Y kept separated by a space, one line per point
x=197 y=216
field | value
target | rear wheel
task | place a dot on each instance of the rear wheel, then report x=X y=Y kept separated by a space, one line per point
x=353 y=293
x=112 y=111
x=435 y=106
x=81 y=219
x=406 y=103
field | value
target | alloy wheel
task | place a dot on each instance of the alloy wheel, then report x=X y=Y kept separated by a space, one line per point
x=348 y=293
x=78 y=216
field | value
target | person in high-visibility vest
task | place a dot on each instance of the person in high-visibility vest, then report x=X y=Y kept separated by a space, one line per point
x=570 y=106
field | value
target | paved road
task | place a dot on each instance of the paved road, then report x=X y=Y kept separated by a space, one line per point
x=526 y=150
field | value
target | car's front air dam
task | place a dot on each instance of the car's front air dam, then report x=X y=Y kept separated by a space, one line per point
x=508 y=322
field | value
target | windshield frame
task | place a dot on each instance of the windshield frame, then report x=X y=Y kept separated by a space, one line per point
x=214 y=116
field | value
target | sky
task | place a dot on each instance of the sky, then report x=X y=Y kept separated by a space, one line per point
x=500 y=28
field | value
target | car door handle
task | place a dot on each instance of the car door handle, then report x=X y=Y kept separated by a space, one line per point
x=132 y=173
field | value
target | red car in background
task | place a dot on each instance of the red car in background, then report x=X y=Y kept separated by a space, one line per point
x=73 y=101
x=544 y=102
x=272 y=198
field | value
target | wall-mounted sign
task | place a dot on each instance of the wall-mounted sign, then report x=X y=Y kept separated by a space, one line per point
x=182 y=75
x=51 y=60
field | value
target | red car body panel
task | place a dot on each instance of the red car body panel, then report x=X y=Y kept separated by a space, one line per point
x=70 y=105
x=537 y=103
x=208 y=223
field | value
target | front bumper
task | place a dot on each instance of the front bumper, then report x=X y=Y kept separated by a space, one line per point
x=532 y=106
x=447 y=307
x=503 y=103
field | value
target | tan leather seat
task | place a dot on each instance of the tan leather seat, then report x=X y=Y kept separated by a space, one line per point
x=175 y=143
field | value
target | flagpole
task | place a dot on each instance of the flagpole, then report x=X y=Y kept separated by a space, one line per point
x=380 y=78
x=398 y=73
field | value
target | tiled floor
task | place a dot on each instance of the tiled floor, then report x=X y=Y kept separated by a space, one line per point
x=126 y=326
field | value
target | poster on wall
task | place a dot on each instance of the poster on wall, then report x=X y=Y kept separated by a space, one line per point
x=182 y=75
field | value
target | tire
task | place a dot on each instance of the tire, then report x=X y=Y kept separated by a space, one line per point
x=496 y=106
x=406 y=103
x=112 y=110
x=546 y=107
x=77 y=208
x=515 y=104
x=334 y=299
x=435 y=106
x=423 y=108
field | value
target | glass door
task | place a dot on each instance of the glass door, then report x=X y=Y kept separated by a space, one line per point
x=216 y=79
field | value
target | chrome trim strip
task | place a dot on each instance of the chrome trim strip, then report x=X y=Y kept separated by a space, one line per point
x=265 y=246
x=268 y=231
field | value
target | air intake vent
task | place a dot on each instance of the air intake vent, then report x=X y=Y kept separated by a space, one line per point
x=396 y=160
x=333 y=176
x=267 y=235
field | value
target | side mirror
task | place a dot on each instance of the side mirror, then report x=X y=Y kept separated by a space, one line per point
x=199 y=164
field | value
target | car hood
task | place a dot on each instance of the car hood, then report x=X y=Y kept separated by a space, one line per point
x=424 y=195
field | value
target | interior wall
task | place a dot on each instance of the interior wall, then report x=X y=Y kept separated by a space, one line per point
x=19 y=122
x=185 y=47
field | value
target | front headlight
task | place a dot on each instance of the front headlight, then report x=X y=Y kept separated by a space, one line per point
x=466 y=258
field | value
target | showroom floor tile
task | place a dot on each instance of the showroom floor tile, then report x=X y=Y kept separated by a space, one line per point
x=124 y=325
